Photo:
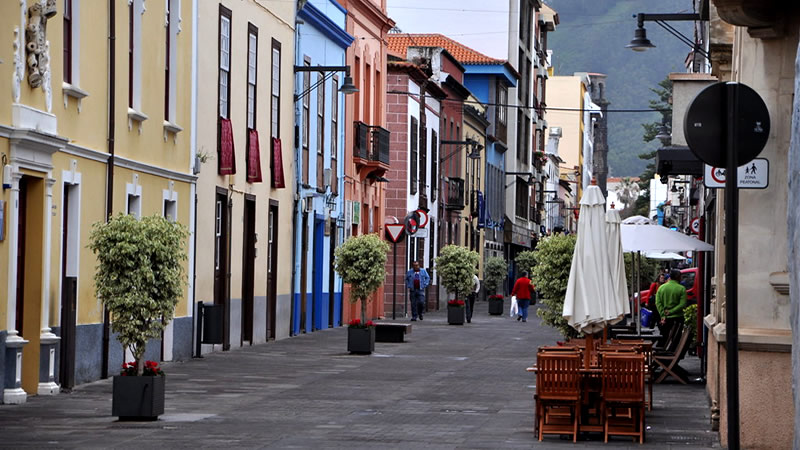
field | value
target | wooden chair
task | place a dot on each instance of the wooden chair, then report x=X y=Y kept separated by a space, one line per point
x=668 y=361
x=558 y=387
x=646 y=349
x=623 y=388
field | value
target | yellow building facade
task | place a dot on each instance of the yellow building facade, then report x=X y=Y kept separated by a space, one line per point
x=475 y=124
x=81 y=139
x=245 y=134
x=565 y=95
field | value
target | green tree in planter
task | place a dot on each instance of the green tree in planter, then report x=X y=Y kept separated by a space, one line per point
x=139 y=276
x=494 y=273
x=525 y=261
x=361 y=262
x=551 y=275
x=455 y=266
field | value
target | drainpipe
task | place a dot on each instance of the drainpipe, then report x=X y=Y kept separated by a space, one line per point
x=194 y=170
x=110 y=164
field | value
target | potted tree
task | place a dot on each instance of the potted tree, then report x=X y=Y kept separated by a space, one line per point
x=551 y=272
x=361 y=262
x=494 y=272
x=139 y=278
x=456 y=268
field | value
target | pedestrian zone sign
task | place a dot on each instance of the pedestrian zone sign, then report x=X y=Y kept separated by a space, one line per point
x=753 y=175
x=394 y=231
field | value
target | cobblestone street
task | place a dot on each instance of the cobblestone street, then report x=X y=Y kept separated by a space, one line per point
x=445 y=387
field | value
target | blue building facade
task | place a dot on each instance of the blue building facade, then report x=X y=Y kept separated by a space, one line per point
x=490 y=83
x=321 y=40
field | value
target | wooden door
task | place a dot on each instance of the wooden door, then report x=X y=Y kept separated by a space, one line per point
x=248 y=267
x=272 y=268
x=69 y=295
x=221 y=259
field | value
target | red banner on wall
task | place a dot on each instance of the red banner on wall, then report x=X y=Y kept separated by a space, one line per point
x=277 y=165
x=227 y=155
x=253 y=158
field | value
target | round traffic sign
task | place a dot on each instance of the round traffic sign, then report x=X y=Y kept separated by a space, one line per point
x=696 y=225
x=705 y=124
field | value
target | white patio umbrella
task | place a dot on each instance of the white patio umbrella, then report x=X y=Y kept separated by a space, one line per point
x=589 y=304
x=655 y=238
x=616 y=260
x=664 y=256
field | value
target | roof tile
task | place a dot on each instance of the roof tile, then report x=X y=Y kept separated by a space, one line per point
x=399 y=43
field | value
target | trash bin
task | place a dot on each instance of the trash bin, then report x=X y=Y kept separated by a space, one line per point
x=646 y=317
x=213 y=316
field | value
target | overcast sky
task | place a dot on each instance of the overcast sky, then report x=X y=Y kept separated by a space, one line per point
x=478 y=24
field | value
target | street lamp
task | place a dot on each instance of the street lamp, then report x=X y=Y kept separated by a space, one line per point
x=640 y=42
x=346 y=88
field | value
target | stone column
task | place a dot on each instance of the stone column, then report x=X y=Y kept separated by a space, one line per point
x=12 y=378
x=47 y=339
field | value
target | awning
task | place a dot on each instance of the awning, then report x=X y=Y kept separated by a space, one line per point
x=253 y=158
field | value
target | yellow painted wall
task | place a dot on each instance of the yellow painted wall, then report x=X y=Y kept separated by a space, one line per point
x=5 y=194
x=34 y=262
x=273 y=20
x=565 y=92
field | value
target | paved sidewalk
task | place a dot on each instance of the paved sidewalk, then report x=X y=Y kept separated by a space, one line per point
x=447 y=387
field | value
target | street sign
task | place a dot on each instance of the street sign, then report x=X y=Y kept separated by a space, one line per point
x=705 y=123
x=421 y=233
x=412 y=223
x=753 y=175
x=394 y=231
x=423 y=217
x=696 y=225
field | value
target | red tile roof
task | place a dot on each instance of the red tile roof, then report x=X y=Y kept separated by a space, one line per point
x=399 y=43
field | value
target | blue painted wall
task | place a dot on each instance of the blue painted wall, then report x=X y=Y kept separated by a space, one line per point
x=321 y=37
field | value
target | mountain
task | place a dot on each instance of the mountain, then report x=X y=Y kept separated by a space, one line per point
x=591 y=37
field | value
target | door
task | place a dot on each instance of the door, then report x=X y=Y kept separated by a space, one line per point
x=69 y=288
x=303 y=274
x=221 y=255
x=317 y=306
x=21 y=221
x=248 y=267
x=332 y=277
x=272 y=269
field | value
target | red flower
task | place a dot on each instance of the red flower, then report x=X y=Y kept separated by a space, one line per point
x=370 y=324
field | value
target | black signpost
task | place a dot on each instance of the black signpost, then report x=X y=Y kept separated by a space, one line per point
x=727 y=124
x=394 y=231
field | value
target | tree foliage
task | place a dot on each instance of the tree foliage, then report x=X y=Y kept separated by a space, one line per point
x=494 y=273
x=649 y=272
x=456 y=268
x=139 y=276
x=526 y=260
x=361 y=262
x=551 y=274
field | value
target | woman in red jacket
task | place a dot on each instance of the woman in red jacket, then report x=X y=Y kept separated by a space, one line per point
x=523 y=289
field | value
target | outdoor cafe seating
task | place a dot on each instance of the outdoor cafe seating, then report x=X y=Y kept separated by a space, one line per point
x=607 y=396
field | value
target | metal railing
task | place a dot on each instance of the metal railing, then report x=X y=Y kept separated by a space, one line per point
x=371 y=143
x=454 y=199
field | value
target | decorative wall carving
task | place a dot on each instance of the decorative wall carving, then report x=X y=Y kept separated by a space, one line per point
x=36 y=40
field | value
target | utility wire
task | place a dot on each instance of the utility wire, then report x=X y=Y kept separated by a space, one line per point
x=546 y=108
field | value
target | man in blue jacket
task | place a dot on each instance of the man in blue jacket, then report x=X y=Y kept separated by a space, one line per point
x=417 y=279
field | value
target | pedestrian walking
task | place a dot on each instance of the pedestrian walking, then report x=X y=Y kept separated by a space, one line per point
x=670 y=301
x=476 y=287
x=523 y=289
x=417 y=279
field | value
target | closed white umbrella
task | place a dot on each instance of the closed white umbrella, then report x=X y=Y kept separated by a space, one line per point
x=616 y=261
x=589 y=305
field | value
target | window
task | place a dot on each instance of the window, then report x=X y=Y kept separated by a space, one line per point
x=376 y=110
x=167 y=61
x=275 y=117
x=171 y=210
x=68 y=30
x=367 y=94
x=434 y=165
x=217 y=233
x=357 y=94
x=224 y=62
x=521 y=201
x=134 y=207
x=423 y=160
x=252 y=72
x=320 y=130
x=413 y=156
x=502 y=109
x=457 y=156
x=306 y=118
x=520 y=133
x=334 y=134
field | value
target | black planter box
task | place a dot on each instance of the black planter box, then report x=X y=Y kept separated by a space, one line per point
x=361 y=340
x=138 y=398
x=496 y=306
x=455 y=315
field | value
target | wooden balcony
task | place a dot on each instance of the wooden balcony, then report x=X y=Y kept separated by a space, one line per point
x=370 y=149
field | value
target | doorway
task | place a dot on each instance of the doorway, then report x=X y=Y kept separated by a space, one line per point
x=221 y=260
x=332 y=277
x=248 y=268
x=319 y=239
x=70 y=245
x=272 y=269
x=303 y=274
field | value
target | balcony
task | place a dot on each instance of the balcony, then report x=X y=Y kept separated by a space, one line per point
x=454 y=193
x=370 y=149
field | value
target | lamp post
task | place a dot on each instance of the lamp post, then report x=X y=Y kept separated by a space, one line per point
x=640 y=42
x=347 y=87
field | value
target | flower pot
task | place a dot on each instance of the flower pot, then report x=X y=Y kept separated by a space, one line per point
x=138 y=398
x=361 y=340
x=496 y=306
x=455 y=315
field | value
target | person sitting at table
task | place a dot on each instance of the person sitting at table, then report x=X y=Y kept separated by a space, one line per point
x=670 y=301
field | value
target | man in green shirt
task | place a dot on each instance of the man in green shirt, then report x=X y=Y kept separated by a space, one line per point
x=670 y=301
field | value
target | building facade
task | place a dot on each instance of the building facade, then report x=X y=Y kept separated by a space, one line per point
x=245 y=197
x=319 y=161
x=80 y=142
x=366 y=142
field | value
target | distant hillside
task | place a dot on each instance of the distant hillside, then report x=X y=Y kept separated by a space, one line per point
x=592 y=36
